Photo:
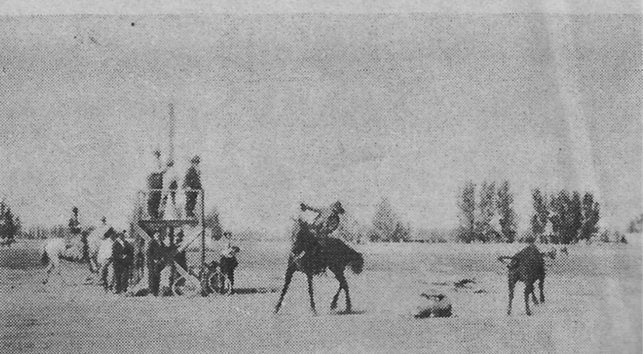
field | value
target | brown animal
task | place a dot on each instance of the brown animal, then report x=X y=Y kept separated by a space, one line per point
x=527 y=266
x=319 y=255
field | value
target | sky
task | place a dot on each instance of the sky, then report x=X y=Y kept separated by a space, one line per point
x=285 y=108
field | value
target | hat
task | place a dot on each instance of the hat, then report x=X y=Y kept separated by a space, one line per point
x=337 y=207
x=111 y=232
x=196 y=159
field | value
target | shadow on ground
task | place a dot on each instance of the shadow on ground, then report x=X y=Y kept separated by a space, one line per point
x=247 y=291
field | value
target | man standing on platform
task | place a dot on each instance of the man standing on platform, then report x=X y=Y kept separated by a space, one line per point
x=192 y=183
x=155 y=185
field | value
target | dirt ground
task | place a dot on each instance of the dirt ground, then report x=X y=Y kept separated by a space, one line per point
x=593 y=306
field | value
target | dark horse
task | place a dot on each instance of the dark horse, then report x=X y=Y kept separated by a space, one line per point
x=319 y=255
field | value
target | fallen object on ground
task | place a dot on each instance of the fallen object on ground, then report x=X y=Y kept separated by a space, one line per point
x=437 y=306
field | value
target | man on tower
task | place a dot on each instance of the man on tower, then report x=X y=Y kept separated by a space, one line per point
x=155 y=185
x=192 y=182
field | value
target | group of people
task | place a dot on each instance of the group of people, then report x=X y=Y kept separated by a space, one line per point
x=114 y=252
x=125 y=262
x=121 y=259
x=157 y=197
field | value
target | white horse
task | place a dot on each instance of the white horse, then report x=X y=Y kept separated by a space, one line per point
x=52 y=251
x=99 y=249
x=94 y=241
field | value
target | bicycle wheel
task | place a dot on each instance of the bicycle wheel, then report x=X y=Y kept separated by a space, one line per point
x=217 y=283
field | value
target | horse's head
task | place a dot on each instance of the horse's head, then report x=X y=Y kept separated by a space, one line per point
x=302 y=229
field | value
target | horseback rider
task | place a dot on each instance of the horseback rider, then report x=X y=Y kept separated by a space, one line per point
x=324 y=224
x=74 y=224
x=75 y=230
x=327 y=219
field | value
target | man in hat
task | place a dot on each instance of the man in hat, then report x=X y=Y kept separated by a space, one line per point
x=323 y=226
x=155 y=185
x=123 y=255
x=191 y=183
x=155 y=259
x=74 y=224
x=327 y=219
x=106 y=258
x=74 y=230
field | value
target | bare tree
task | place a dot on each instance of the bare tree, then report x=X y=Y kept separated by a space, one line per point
x=591 y=217
x=387 y=225
x=541 y=212
x=467 y=205
x=504 y=204
x=213 y=223
x=486 y=211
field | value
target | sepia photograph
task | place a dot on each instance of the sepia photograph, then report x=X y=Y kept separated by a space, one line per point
x=333 y=177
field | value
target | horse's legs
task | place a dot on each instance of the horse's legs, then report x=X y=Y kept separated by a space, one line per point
x=512 y=285
x=529 y=288
x=50 y=267
x=289 y=272
x=343 y=284
x=310 y=292
x=533 y=296
x=541 y=286
x=333 y=304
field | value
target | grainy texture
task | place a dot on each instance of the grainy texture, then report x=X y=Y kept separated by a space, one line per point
x=450 y=134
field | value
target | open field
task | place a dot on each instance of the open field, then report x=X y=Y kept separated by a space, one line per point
x=593 y=306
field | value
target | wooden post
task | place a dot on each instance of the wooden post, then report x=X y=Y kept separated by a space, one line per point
x=204 y=291
x=172 y=262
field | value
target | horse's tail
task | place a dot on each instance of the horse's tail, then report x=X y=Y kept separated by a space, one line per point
x=357 y=263
x=44 y=259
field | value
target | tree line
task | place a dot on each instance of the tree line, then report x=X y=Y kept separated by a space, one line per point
x=487 y=215
x=572 y=218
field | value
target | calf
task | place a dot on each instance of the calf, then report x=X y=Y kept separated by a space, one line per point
x=527 y=266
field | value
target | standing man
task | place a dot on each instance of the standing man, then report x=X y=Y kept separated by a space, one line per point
x=106 y=258
x=192 y=182
x=117 y=261
x=155 y=185
x=123 y=254
x=155 y=263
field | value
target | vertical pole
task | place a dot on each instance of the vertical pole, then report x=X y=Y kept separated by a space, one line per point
x=171 y=131
x=172 y=263
x=203 y=279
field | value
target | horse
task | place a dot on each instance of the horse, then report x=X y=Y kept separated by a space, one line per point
x=527 y=266
x=52 y=251
x=94 y=241
x=319 y=255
